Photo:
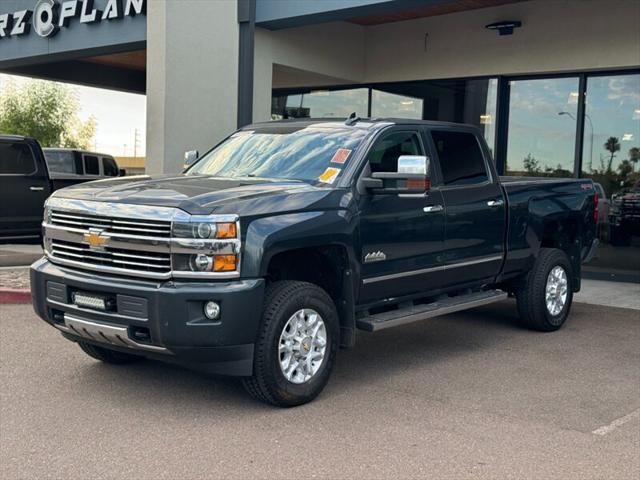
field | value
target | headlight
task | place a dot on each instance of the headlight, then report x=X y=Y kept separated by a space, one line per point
x=204 y=230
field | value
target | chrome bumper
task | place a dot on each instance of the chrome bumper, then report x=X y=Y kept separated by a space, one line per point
x=102 y=333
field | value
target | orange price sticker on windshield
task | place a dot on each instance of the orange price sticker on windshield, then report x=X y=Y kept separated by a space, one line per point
x=341 y=155
x=329 y=175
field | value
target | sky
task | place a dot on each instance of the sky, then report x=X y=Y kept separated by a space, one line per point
x=117 y=115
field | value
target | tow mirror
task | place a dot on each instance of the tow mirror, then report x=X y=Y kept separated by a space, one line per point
x=412 y=177
x=190 y=158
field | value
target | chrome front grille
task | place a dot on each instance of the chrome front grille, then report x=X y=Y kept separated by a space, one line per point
x=149 y=228
x=133 y=260
x=129 y=240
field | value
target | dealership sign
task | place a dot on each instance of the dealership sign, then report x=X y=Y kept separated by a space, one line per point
x=48 y=16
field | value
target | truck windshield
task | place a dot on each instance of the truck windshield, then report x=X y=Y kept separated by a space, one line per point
x=315 y=154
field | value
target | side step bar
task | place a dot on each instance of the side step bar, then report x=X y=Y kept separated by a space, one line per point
x=414 y=313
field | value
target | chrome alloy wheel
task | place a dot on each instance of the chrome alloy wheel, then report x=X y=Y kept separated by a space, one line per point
x=302 y=346
x=556 y=290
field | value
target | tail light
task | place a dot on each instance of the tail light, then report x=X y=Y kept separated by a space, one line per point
x=596 y=199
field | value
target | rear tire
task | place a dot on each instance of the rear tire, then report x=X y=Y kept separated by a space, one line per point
x=545 y=297
x=293 y=314
x=108 y=356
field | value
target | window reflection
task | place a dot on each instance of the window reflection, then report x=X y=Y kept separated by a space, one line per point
x=321 y=103
x=610 y=156
x=384 y=104
x=542 y=127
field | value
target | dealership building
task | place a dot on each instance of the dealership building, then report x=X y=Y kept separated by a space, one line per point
x=554 y=85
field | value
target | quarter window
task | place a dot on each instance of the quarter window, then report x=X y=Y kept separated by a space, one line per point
x=91 y=165
x=461 y=159
x=384 y=155
x=16 y=159
x=109 y=167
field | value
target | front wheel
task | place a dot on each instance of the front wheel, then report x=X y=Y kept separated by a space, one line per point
x=544 y=299
x=296 y=345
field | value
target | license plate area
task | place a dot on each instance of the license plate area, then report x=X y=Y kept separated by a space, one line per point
x=94 y=301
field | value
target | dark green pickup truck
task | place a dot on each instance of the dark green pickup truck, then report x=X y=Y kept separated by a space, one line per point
x=271 y=250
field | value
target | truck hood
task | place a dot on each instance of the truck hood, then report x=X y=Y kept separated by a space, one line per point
x=195 y=194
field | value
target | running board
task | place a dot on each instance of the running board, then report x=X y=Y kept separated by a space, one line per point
x=414 y=313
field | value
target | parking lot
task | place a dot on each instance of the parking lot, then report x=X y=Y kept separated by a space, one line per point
x=468 y=395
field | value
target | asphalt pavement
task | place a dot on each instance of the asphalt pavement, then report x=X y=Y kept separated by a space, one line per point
x=468 y=395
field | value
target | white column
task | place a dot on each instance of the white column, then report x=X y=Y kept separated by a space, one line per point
x=192 y=78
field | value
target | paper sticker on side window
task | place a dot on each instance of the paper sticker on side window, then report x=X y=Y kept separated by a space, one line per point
x=341 y=155
x=329 y=175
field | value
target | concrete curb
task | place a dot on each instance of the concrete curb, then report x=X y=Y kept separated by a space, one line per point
x=15 y=295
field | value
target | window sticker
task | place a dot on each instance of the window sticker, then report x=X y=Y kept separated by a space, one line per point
x=341 y=156
x=329 y=175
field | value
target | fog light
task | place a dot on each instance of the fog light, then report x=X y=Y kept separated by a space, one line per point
x=211 y=310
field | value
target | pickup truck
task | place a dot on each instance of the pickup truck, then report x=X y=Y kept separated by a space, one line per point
x=28 y=177
x=272 y=249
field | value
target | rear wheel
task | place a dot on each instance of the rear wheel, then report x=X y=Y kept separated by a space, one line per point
x=296 y=345
x=545 y=297
x=108 y=356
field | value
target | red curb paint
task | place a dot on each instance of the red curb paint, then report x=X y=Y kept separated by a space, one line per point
x=13 y=295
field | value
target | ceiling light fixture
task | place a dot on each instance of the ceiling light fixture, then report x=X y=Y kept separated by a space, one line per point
x=505 y=27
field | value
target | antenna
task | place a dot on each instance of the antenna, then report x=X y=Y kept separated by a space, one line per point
x=352 y=120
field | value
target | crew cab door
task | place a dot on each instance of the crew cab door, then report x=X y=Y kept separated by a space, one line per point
x=401 y=236
x=24 y=186
x=475 y=207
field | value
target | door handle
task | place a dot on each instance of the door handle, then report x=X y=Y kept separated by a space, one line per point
x=495 y=203
x=36 y=189
x=433 y=208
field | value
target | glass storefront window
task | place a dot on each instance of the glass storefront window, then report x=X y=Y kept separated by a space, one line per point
x=384 y=104
x=611 y=146
x=321 y=103
x=611 y=157
x=542 y=127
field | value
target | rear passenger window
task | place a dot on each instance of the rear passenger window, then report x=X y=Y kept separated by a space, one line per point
x=60 y=162
x=91 y=165
x=384 y=155
x=109 y=167
x=460 y=157
x=16 y=159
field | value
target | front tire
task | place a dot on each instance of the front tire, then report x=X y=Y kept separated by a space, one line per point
x=296 y=345
x=108 y=356
x=545 y=297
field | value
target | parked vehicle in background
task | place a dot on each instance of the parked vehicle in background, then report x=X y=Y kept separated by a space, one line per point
x=66 y=162
x=271 y=249
x=603 y=212
x=624 y=219
x=26 y=181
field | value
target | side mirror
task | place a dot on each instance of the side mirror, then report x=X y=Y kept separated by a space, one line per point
x=190 y=158
x=122 y=172
x=412 y=177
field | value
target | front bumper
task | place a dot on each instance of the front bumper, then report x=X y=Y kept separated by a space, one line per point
x=168 y=313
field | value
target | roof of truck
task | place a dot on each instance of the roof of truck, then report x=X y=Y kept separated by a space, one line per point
x=366 y=123
x=6 y=136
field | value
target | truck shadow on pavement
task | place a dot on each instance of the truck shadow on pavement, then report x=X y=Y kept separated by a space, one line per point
x=376 y=357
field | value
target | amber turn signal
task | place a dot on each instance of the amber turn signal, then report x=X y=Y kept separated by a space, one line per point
x=224 y=263
x=226 y=230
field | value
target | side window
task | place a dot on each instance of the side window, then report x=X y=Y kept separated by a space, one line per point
x=384 y=155
x=109 y=167
x=91 y=165
x=60 y=162
x=460 y=157
x=16 y=159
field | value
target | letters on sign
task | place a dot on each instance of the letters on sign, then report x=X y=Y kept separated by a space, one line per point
x=49 y=16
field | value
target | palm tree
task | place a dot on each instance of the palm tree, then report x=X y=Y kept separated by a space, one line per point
x=612 y=145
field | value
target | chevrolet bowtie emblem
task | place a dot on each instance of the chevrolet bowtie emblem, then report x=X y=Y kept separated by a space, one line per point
x=95 y=239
